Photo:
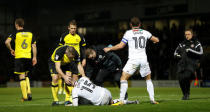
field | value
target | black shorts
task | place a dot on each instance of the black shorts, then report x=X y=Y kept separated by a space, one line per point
x=72 y=67
x=22 y=65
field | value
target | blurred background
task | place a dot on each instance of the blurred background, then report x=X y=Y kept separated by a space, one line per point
x=104 y=22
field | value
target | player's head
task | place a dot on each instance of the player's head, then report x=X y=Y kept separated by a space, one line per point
x=72 y=27
x=135 y=22
x=90 y=53
x=71 y=52
x=19 y=23
x=188 y=34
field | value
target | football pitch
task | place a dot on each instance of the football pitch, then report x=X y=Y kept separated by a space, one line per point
x=169 y=99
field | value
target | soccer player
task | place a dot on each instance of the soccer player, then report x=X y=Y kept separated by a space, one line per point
x=64 y=62
x=24 y=43
x=188 y=52
x=103 y=65
x=136 y=39
x=91 y=94
x=71 y=38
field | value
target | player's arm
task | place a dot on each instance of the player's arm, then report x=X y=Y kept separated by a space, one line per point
x=34 y=50
x=154 y=39
x=177 y=51
x=81 y=70
x=61 y=42
x=198 y=49
x=116 y=59
x=60 y=72
x=116 y=47
x=8 y=44
x=82 y=50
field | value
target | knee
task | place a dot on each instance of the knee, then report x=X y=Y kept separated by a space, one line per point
x=55 y=79
x=22 y=76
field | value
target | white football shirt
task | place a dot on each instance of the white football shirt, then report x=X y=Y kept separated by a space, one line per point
x=136 y=40
x=86 y=89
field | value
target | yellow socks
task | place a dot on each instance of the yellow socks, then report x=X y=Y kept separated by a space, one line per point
x=23 y=88
x=54 y=88
x=68 y=93
x=28 y=85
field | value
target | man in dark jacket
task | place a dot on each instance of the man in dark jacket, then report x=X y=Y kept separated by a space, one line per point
x=188 y=52
x=103 y=65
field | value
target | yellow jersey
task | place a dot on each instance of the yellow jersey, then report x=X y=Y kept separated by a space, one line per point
x=59 y=55
x=77 y=41
x=23 y=41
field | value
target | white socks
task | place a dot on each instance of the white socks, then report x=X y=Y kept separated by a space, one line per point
x=150 y=89
x=123 y=89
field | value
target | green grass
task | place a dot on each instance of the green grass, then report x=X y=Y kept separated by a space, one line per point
x=169 y=99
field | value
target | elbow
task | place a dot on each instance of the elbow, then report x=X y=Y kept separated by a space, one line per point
x=6 y=42
x=158 y=40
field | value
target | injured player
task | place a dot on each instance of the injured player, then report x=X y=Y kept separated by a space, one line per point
x=87 y=93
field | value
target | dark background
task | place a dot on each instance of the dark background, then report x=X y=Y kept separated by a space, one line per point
x=104 y=22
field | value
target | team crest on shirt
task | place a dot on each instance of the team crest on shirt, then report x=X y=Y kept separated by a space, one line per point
x=56 y=57
x=77 y=40
x=192 y=45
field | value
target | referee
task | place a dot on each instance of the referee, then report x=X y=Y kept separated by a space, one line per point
x=188 y=52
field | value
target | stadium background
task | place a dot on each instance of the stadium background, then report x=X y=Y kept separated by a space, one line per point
x=104 y=22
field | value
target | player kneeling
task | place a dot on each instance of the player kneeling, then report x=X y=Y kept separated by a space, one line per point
x=85 y=92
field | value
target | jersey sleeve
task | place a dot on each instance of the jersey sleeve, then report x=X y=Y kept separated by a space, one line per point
x=148 y=35
x=33 y=40
x=125 y=38
x=59 y=54
x=61 y=42
x=82 y=46
x=82 y=43
x=11 y=36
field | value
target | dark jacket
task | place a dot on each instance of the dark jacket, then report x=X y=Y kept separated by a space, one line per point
x=188 y=53
x=109 y=61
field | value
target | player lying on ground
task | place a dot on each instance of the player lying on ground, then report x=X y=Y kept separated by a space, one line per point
x=85 y=92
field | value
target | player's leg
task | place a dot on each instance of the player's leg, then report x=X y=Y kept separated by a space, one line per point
x=60 y=88
x=20 y=70
x=28 y=88
x=54 y=88
x=129 y=69
x=117 y=75
x=23 y=86
x=68 y=90
x=28 y=68
x=54 y=83
x=124 y=85
x=102 y=74
x=150 y=89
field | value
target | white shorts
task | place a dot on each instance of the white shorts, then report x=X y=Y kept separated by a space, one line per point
x=106 y=100
x=134 y=64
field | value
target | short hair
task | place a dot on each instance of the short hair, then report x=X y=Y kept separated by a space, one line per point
x=135 y=21
x=19 y=22
x=88 y=52
x=73 y=22
x=189 y=30
x=72 y=50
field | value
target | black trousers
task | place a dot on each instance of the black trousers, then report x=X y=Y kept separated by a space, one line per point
x=104 y=74
x=184 y=82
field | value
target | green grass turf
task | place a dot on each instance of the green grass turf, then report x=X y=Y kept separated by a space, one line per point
x=169 y=99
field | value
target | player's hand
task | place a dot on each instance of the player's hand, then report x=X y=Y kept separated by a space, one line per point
x=12 y=52
x=107 y=49
x=34 y=61
x=67 y=79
